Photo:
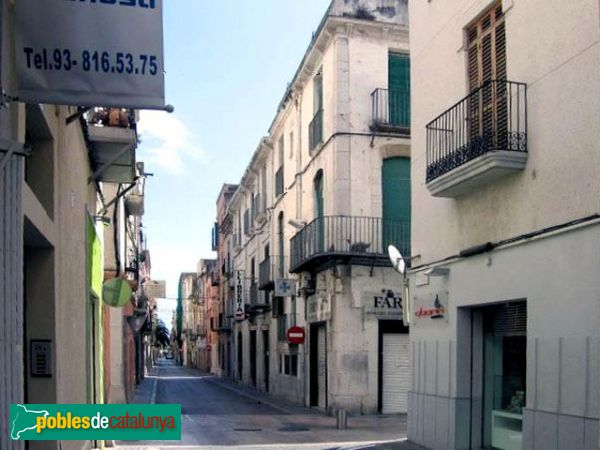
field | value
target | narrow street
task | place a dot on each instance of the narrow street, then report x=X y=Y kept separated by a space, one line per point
x=221 y=413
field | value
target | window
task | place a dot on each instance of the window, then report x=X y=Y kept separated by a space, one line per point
x=487 y=62
x=278 y=306
x=290 y=365
x=281 y=148
x=291 y=144
x=282 y=327
x=281 y=239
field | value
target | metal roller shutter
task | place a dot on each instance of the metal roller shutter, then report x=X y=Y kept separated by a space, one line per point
x=395 y=373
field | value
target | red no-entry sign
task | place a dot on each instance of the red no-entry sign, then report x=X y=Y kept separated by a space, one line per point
x=295 y=335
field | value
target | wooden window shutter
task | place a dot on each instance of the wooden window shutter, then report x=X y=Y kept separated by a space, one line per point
x=486 y=40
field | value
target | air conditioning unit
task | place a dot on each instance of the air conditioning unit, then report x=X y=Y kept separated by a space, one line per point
x=306 y=284
x=134 y=203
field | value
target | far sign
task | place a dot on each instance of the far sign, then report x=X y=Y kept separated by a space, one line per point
x=285 y=287
x=296 y=335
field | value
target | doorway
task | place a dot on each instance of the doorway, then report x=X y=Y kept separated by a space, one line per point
x=318 y=365
x=394 y=369
x=253 y=357
x=498 y=375
x=266 y=358
x=396 y=203
x=240 y=357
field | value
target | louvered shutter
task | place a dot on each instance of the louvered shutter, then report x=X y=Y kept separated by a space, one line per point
x=487 y=62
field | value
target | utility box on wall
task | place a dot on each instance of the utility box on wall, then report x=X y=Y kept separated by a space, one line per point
x=41 y=358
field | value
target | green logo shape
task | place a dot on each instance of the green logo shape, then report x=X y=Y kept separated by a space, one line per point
x=95 y=422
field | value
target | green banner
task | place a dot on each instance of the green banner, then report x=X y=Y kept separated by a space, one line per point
x=95 y=422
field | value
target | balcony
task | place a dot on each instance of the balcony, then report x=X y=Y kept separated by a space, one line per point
x=390 y=111
x=279 y=182
x=315 y=130
x=478 y=140
x=111 y=134
x=269 y=270
x=346 y=239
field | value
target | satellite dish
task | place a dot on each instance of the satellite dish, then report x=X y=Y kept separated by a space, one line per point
x=397 y=259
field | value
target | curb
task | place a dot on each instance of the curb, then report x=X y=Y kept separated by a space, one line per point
x=154 y=385
x=250 y=396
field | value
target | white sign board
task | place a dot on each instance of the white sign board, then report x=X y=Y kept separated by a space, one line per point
x=285 y=287
x=239 y=296
x=90 y=52
x=155 y=289
x=385 y=304
x=318 y=309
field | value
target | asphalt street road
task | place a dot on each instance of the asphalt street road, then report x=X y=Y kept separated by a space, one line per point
x=217 y=414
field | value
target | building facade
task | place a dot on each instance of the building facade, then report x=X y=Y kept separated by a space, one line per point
x=222 y=244
x=505 y=314
x=55 y=178
x=324 y=195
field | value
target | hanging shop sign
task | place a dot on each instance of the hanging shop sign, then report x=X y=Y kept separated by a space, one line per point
x=318 y=309
x=295 y=335
x=90 y=53
x=431 y=307
x=285 y=287
x=385 y=304
x=116 y=292
x=155 y=289
x=239 y=296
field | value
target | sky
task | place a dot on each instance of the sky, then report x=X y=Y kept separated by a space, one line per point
x=227 y=66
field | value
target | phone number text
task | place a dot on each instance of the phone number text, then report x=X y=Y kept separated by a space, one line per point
x=90 y=61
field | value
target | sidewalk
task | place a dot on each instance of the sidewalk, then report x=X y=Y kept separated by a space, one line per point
x=263 y=397
x=146 y=390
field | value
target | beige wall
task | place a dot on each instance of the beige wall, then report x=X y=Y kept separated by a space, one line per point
x=561 y=69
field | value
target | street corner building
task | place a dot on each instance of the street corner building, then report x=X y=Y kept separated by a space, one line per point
x=505 y=299
x=71 y=201
x=311 y=306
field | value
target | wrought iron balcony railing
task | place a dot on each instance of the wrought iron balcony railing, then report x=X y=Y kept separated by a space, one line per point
x=491 y=118
x=269 y=270
x=390 y=110
x=315 y=130
x=363 y=240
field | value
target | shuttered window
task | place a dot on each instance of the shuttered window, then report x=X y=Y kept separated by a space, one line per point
x=487 y=48
x=486 y=62
x=399 y=89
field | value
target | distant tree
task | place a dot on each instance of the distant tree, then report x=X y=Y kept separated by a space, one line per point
x=161 y=334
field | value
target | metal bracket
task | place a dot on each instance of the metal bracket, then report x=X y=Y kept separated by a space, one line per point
x=12 y=148
x=98 y=173
x=80 y=112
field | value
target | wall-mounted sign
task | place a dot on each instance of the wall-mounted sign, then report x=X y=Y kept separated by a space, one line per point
x=240 y=313
x=296 y=335
x=285 y=287
x=155 y=289
x=432 y=307
x=385 y=304
x=90 y=53
x=318 y=309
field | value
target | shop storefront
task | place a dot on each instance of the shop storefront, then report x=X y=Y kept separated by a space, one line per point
x=504 y=347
